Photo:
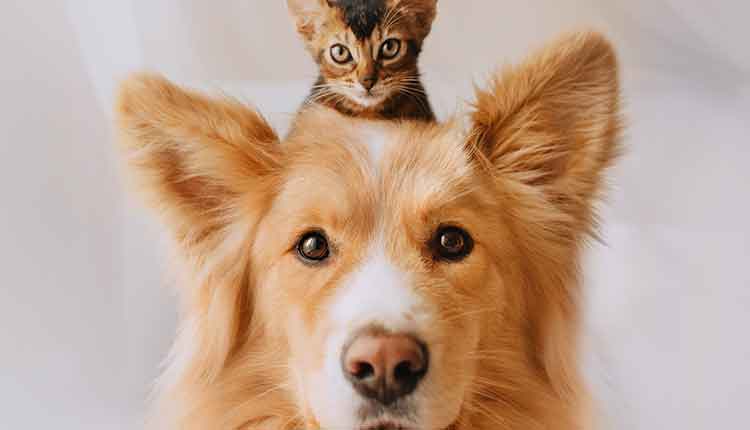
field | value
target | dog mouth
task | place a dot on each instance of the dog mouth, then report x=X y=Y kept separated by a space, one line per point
x=392 y=419
x=386 y=425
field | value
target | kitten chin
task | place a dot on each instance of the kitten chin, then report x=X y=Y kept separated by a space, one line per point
x=388 y=104
x=374 y=100
x=368 y=102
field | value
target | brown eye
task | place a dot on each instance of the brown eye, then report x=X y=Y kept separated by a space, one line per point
x=313 y=247
x=340 y=54
x=390 y=49
x=451 y=243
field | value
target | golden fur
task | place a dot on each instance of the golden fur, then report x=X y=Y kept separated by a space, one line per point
x=522 y=180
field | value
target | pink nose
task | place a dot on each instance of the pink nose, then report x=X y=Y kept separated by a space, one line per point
x=384 y=367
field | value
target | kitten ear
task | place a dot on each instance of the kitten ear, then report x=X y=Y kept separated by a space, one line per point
x=198 y=161
x=308 y=15
x=423 y=13
x=553 y=123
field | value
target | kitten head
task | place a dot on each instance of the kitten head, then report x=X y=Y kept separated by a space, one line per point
x=367 y=50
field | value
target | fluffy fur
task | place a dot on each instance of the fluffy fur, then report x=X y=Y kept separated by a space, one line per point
x=257 y=324
x=362 y=27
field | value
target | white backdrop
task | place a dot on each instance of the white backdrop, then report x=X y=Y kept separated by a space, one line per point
x=85 y=316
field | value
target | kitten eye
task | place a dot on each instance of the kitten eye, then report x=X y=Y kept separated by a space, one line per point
x=390 y=49
x=451 y=243
x=340 y=54
x=313 y=247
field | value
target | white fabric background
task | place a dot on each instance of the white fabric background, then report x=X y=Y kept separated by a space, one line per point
x=85 y=316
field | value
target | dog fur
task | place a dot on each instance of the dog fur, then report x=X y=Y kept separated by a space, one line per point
x=257 y=325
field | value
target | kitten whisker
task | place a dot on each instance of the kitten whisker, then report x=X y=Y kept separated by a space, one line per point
x=395 y=15
x=340 y=90
x=323 y=95
x=418 y=97
x=388 y=18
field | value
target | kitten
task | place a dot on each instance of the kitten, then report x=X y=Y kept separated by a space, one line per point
x=367 y=51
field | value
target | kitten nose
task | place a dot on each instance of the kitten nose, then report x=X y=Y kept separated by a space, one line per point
x=384 y=368
x=368 y=82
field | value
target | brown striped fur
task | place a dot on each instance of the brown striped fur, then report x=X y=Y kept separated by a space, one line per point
x=362 y=26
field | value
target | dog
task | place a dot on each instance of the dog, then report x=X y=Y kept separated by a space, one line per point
x=380 y=275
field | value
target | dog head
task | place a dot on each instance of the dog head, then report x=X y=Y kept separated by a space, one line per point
x=374 y=275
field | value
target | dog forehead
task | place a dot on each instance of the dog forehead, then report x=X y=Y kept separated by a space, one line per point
x=427 y=167
x=376 y=139
x=348 y=168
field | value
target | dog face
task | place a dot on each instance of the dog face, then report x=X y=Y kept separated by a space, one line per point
x=372 y=275
x=375 y=254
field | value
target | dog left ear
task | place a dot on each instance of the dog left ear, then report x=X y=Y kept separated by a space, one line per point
x=553 y=123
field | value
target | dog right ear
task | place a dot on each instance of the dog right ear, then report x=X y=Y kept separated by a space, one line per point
x=203 y=163
x=552 y=125
x=208 y=166
x=546 y=131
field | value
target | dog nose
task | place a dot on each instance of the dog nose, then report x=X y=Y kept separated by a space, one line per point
x=368 y=82
x=385 y=367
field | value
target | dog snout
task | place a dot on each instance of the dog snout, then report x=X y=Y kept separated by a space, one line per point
x=385 y=367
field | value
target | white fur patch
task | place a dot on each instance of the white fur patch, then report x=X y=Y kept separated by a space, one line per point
x=376 y=294
x=376 y=140
x=366 y=100
x=361 y=96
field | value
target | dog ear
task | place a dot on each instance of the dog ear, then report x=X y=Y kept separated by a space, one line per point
x=308 y=15
x=546 y=131
x=197 y=160
x=553 y=123
x=206 y=165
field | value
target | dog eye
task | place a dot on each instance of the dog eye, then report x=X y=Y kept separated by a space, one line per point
x=390 y=48
x=451 y=243
x=313 y=247
x=340 y=54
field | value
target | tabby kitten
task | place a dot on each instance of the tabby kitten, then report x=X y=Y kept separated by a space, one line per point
x=367 y=52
